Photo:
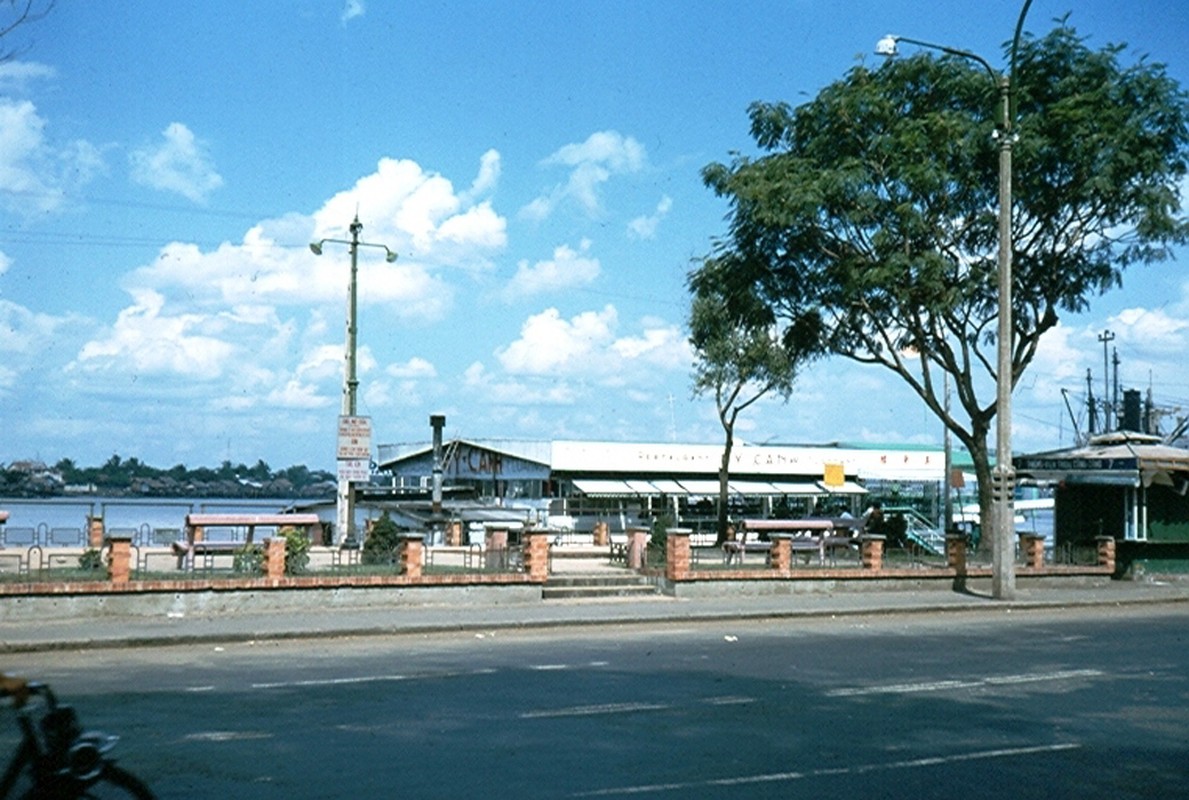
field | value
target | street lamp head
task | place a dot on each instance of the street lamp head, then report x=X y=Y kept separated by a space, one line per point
x=887 y=46
x=389 y=256
x=316 y=248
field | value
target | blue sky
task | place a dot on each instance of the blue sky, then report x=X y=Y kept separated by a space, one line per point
x=164 y=166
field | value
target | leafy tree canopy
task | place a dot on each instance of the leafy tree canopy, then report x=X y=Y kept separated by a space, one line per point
x=869 y=214
x=740 y=359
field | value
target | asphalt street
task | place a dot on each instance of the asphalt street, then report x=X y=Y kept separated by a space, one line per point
x=1024 y=702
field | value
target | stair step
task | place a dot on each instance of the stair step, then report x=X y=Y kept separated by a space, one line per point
x=598 y=580
x=560 y=587
x=573 y=592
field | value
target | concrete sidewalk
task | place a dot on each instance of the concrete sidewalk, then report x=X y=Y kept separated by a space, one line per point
x=101 y=631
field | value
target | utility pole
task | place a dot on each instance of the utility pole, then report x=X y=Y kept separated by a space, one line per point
x=1115 y=392
x=1106 y=337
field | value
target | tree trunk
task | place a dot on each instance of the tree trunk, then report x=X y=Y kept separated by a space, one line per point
x=982 y=471
x=723 y=476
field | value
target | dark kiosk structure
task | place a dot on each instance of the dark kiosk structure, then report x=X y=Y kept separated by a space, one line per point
x=1131 y=486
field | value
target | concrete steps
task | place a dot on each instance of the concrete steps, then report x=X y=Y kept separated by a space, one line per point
x=600 y=585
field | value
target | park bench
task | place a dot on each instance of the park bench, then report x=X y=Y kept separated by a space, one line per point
x=808 y=536
x=195 y=544
x=734 y=549
x=188 y=553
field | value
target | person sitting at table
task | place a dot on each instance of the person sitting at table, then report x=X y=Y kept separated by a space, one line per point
x=873 y=519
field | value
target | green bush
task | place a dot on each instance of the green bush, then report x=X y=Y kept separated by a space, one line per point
x=297 y=550
x=382 y=545
x=248 y=559
x=91 y=560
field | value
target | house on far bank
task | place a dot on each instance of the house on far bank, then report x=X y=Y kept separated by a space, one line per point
x=1130 y=486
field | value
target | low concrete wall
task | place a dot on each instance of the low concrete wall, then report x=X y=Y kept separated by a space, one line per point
x=34 y=607
x=898 y=580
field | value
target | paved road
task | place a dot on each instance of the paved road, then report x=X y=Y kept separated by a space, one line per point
x=1078 y=703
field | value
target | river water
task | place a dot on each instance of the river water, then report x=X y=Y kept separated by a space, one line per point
x=123 y=513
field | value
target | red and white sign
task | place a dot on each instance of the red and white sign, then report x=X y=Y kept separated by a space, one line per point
x=355 y=438
x=355 y=470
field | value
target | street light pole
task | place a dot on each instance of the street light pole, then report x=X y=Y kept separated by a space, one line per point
x=345 y=501
x=1003 y=545
x=1003 y=478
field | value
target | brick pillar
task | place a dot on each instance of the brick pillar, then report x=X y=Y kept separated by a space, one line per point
x=95 y=532
x=536 y=554
x=1033 y=546
x=871 y=548
x=1106 y=552
x=411 y=547
x=120 y=569
x=495 y=542
x=602 y=534
x=677 y=553
x=454 y=533
x=274 y=557
x=955 y=553
x=781 y=554
x=637 y=544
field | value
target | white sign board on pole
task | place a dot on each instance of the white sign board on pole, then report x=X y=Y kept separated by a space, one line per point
x=355 y=470
x=355 y=438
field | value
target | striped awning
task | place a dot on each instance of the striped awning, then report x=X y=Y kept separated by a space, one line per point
x=846 y=487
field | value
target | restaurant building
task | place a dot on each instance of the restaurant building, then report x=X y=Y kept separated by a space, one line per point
x=577 y=479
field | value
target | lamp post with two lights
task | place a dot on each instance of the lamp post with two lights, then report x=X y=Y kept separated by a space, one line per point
x=345 y=503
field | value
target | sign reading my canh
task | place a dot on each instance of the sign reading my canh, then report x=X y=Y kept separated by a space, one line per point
x=355 y=438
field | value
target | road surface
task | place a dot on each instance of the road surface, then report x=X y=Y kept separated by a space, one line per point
x=1053 y=704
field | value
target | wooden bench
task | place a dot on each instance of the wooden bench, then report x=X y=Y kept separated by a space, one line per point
x=844 y=537
x=808 y=536
x=734 y=549
x=188 y=552
x=195 y=543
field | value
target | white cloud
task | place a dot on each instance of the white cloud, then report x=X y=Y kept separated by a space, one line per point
x=23 y=331
x=352 y=9
x=179 y=164
x=145 y=340
x=568 y=268
x=486 y=180
x=507 y=391
x=297 y=395
x=589 y=345
x=5 y=262
x=413 y=212
x=17 y=75
x=415 y=367
x=549 y=344
x=35 y=176
x=416 y=213
x=592 y=163
x=30 y=342
x=610 y=148
x=644 y=227
x=324 y=362
x=205 y=314
x=1153 y=330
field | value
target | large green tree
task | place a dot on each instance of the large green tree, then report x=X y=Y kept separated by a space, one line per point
x=871 y=211
x=739 y=361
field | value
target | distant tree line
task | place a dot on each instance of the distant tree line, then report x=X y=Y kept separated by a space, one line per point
x=131 y=476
